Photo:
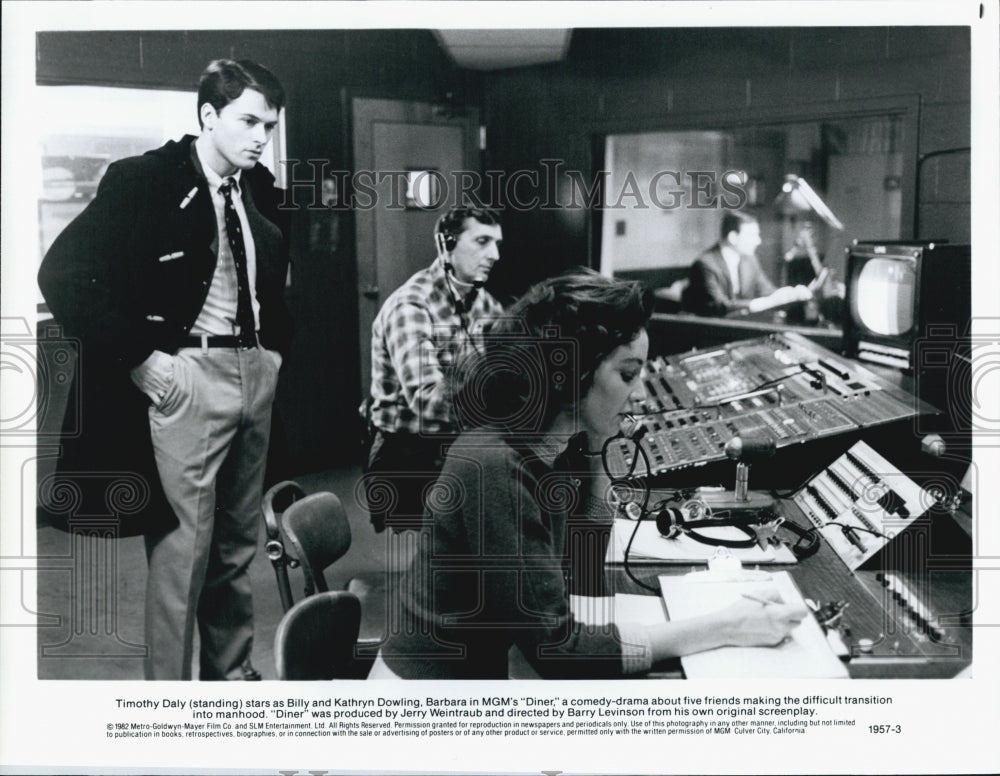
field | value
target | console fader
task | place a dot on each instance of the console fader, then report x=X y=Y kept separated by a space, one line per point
x=782 y=386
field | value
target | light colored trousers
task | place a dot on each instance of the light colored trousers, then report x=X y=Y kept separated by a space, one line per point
x=210 y=435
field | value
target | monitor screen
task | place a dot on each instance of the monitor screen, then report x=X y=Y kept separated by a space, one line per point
x=883 y=296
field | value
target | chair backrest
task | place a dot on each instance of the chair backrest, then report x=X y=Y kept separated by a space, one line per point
x=275 y=501
x=316 y=637
x=317 y=529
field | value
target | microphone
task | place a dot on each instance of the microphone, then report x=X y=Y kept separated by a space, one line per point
x=740 y=447
x=636 y=432
x=450 y=269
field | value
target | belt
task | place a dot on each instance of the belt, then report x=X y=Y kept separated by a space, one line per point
x=220 y=341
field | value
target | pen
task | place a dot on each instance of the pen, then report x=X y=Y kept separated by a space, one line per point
x=189 y=197
x=764 y=601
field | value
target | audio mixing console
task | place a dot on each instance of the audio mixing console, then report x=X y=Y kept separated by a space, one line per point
x=891 y=562
x=781 y=387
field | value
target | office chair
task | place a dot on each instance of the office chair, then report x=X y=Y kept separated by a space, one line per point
x=316 y=638
x=312 y=532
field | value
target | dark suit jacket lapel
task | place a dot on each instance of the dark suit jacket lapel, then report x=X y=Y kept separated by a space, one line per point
x=722 y=270
x=203 y=209
x=267 y=236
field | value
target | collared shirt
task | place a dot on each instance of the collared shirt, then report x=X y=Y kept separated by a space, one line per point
x=418 y=338
x=218 y=314
x=732 y=258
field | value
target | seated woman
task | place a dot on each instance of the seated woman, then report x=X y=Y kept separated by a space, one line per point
x=557 y=377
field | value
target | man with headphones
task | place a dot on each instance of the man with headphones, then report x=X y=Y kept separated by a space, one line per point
x=418 y=337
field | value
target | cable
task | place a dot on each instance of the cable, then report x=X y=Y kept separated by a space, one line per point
x=460 y=310
x=646 y=492
x=639 y=433
x=625 y=563
x=845 y=528
x=782 y=494
x=441 y=241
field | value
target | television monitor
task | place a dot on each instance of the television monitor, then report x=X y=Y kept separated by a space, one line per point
x=909 y=306
x=899 y=294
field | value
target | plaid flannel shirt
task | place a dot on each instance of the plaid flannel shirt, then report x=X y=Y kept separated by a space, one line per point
x=417 y=339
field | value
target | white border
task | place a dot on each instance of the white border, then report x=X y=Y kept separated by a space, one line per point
x=44 y=725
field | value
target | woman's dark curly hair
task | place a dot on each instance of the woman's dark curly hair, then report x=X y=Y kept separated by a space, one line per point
x=540 y=356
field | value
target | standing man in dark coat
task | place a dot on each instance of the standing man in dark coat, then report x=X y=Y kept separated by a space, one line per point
x=172 y=281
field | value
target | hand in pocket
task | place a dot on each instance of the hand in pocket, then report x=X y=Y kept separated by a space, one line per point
x=175 y=390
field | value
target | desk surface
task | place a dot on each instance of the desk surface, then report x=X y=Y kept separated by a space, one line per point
x=675 y=333
x=900 y=647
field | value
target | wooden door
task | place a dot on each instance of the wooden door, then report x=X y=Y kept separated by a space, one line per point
x=392 y=137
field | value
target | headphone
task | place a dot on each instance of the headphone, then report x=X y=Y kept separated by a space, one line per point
x=671 y=522
x=446 y=236
x=446 y=241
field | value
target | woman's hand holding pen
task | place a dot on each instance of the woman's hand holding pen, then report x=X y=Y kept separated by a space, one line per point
x=761 y=621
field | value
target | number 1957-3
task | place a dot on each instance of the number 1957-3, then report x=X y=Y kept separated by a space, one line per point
x=885 y=728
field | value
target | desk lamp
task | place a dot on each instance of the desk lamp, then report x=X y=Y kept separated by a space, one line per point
x=799 y=202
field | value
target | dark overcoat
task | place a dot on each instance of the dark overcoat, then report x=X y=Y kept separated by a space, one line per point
x=128 y=276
